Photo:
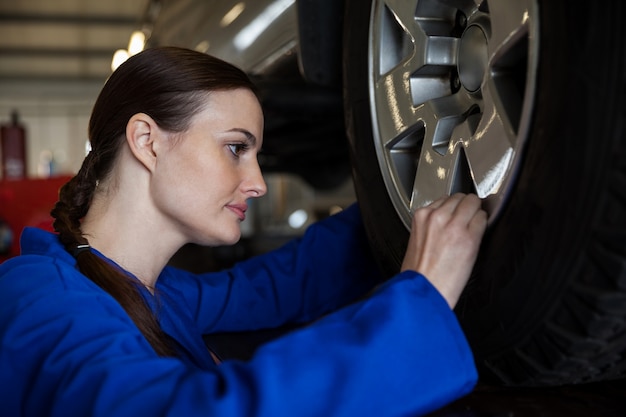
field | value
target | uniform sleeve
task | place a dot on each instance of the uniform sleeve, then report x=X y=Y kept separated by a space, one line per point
x=329 y=266
x=67 y=352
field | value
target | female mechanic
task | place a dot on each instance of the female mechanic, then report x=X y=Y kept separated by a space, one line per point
x=93 y=320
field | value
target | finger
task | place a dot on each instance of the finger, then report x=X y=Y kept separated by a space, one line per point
x=437 y=203
x=478 y=223
x=449 y=201
x=421 y=214
x=448 y=207
x=444 y=210
x=467 y=208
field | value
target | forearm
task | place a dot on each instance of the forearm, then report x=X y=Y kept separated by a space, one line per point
x=326 y=268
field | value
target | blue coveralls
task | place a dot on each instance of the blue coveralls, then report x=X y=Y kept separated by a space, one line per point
x=69 y=349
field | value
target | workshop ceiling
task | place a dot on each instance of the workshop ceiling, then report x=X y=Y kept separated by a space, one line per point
x=64 y=39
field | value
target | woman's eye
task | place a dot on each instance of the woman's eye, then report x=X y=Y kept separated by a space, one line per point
x=237 y=148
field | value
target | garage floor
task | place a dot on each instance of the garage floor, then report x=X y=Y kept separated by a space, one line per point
x=604 y=399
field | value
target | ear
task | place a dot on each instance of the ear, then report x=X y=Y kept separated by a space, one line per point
x=141 y=134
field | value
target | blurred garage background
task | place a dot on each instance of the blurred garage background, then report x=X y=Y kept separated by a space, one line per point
x=54 y=58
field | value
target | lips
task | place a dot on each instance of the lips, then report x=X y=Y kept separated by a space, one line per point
x=239 y=210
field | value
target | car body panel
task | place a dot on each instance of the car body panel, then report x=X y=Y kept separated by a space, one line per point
x=251 y=35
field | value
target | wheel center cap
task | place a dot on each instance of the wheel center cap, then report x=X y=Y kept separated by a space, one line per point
x=472 y=58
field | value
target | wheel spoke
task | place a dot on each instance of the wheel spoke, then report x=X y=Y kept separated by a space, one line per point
x=404 y=12
x=509 y=21
x=439 y=50
x=393 y=104
x=441 y=116
x=437 y=172
x=433 y=178
x=489 y=152
x=428 y=49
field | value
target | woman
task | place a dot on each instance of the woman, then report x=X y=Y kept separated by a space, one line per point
x=94 y=323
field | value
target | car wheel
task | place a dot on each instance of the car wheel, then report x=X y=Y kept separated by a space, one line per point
x=522 y=102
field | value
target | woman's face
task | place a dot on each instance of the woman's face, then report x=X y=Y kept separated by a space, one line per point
x=202 y=184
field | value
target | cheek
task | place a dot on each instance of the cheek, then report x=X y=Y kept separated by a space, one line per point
x=197 y=185
x=176 y=185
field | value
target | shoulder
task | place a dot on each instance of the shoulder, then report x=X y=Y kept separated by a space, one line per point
x=38 y=273
x=44 y=263
x=46 y=283
x=48 y=301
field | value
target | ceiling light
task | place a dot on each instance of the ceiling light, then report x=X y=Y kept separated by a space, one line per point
x=203 y=46
x=136 y=43
x=119 y=57
x=232 y=14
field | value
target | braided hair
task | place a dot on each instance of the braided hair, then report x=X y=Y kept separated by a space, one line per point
x=169 y=84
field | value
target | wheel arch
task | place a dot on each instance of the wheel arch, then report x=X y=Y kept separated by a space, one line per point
x=320 y=30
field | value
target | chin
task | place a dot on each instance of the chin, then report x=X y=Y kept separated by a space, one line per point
x=229 y=242
x=218 y=239
x=230 y=239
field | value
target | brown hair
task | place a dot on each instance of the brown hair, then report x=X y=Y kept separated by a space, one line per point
x=170 y=85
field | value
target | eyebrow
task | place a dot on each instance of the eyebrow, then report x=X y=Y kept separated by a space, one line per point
x=249 y=136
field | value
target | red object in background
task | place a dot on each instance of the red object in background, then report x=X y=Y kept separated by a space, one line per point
x=27 y=202
x=13 y=149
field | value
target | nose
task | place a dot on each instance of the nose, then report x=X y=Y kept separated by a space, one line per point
x=254 y=184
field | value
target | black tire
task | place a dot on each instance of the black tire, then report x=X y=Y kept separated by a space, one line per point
x=546 y=304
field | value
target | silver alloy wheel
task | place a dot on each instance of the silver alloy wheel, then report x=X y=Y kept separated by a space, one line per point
x=451 y=90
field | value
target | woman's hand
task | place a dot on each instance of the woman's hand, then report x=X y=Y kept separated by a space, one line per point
x=444 y=242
